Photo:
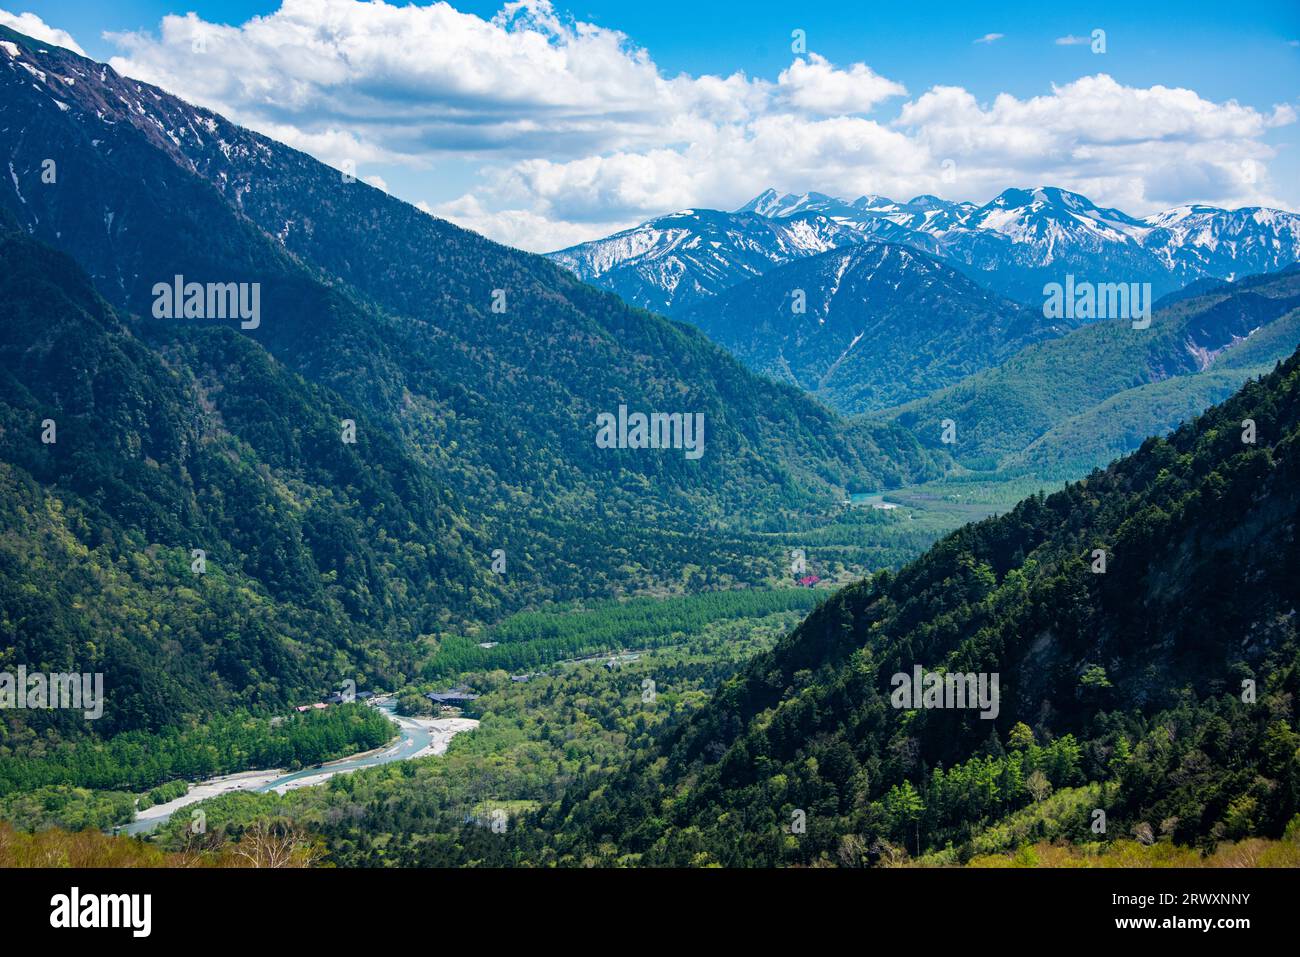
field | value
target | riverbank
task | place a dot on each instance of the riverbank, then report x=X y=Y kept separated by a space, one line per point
x=417 y=737
x=213 y=787
x=441 y=731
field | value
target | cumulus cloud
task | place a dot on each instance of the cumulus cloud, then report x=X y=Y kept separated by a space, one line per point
x=523 y=228
x=403 y=82
x=816 y=86
x=575 y=132
x=1094 y=109
x=38 y=29
x=724 y=169
x=1138 y=148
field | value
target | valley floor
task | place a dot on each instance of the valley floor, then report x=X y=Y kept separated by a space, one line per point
x=419 y=737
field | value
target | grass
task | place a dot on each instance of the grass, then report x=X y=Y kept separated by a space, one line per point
x=1251 y=852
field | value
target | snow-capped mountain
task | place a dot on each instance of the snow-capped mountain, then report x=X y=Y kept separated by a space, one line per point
x=1202 y=241
x=1014 y=244
x=926 y=215
x=778 y=206
x=1024 y=238
x=676 y=261
x=868 y=326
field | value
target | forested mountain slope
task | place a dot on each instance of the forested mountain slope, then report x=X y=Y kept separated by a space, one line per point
x=394 y=311
x=1066 y=405
x=491 y=362
x=118 y=462
x=1172 y=678
x=868 y=326
x=327 y=559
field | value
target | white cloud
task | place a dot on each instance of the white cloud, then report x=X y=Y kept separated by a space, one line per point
x=1122 y=146
x=522 y=228
x=38 y=29
x=1091 y=109
x=1071 y=41
x=576 y=132
x=989 y=38
x=722 y=169
x=816 y=86
x=414 y=81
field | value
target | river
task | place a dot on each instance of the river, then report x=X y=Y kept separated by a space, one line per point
x=419 y=737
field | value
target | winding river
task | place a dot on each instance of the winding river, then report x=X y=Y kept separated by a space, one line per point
x=418 y=737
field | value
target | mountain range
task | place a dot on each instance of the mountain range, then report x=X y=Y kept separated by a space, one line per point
x=686 y=258
x=868 y=326
x=927 y=306
x=471 y=375
x=398 y=442
x=1013 y=245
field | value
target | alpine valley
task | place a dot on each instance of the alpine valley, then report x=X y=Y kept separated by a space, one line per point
x=631 y=542
x=475 y=430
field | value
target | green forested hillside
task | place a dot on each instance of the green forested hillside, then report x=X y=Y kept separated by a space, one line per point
x=99 y=524
x=387 y=316
x=1062 y=407
x=488 y=363
x=328 y=560
x=867 y=326
x=1119 y=424
x=1170 y=681
x=323 y=561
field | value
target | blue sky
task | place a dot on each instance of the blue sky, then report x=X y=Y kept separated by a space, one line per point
x=1223 y=50
x=596 y=131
